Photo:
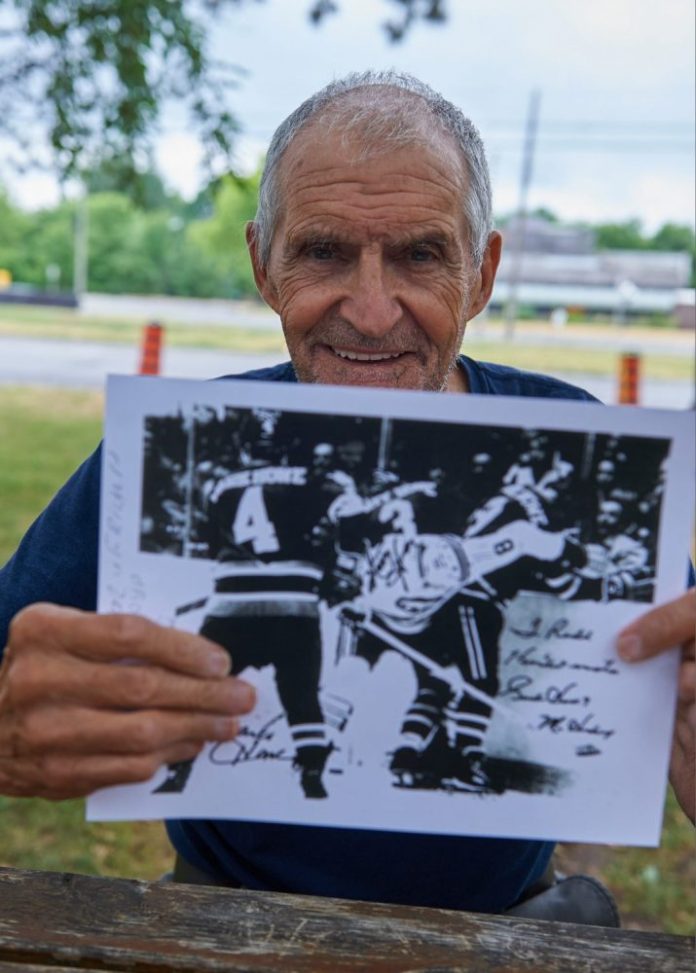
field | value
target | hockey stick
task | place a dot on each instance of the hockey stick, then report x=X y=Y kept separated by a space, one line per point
x=448 y=674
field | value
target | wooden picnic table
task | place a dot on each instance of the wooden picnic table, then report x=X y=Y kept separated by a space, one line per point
x=53 y=922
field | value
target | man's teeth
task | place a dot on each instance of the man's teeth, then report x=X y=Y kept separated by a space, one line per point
x=356 y=356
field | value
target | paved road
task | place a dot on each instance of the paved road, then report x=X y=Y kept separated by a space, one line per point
x=85 y=365
x=26 y=361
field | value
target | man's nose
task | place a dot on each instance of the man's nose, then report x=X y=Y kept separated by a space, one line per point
x=371 y=305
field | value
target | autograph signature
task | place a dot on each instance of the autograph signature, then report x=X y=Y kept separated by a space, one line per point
x=249 y=745
x=588 y=724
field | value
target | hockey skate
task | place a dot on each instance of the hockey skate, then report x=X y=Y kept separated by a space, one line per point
x=421 y=767
x=310 y=761
x=466 y=773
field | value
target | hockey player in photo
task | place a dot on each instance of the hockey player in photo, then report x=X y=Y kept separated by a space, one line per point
x=426 y=597
x=619 y=563
x=265 y=606
x=529 y=487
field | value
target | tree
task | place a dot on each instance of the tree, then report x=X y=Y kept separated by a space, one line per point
x=15 y=226
x=148 y=252
x=674 y=236
x=677 y=236
x=221 y=237
x=95 y=74
x=397 y=28
x=30 y=242
x=544 y=213
x=144 y=186
x=621 y=236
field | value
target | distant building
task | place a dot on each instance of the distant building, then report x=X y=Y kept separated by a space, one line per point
x=543 y=236
x=560 y=268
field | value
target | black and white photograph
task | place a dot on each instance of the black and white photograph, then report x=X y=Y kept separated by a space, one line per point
x=425 y=604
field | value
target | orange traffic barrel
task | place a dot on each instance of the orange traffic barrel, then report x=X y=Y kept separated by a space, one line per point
x=150 y=349
x=629 y=378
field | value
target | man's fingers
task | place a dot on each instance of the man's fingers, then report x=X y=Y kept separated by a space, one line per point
x=662 y=628
x=687 y=682
x=116 y=637
x=52 y=730
x=62 y=776
x=33 y=679
x=74 y=720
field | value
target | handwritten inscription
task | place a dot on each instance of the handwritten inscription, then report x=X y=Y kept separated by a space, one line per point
x=563 y=724
x=549 y=668
x=125 y=591
x=521 y=689
x=248 y=746
x=113 y=530
x=558 y=629
x=532 y=656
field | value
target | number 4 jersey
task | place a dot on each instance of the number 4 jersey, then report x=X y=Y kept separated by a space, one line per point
x=261 y=521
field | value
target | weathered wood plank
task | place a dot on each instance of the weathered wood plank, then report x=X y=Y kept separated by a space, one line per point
x=29 y=967
x=116 y=924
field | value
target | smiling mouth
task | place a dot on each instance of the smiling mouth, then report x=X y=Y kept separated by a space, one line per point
x=366 y=357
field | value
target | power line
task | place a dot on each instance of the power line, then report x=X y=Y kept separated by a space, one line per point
x=592 y=123
x=545 y=143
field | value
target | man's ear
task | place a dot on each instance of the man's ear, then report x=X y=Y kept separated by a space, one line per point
x=486 y=275
x=263 y=284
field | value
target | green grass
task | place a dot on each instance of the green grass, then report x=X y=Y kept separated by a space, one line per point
x=67 y=325
x=55 y=837
x=44 y=434
x=587 y=361
x=659 y=886
x=654 y=888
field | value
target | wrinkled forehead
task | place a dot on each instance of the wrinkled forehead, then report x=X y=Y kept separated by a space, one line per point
x=367 y=124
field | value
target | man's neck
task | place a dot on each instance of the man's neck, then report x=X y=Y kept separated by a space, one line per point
x=456 y=380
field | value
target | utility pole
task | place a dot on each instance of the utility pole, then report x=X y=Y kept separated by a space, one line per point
x=525 y=180
x=81 y=248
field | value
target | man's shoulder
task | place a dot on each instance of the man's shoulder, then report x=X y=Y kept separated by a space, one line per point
x=284 y=372
x=488 y=378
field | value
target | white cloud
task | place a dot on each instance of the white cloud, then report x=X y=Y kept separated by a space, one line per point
x=178 y=155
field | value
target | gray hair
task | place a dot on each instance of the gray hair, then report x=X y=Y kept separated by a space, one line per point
x=389 y=122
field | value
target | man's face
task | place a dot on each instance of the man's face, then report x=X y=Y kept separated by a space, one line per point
x=351 y=454
x=322 y=456
x=370 y=269
x=609 y=514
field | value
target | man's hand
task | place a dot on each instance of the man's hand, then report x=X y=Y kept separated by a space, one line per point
x=87 y=701
x=660 y=629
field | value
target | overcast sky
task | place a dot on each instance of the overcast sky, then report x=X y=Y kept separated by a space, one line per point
x=616 y=133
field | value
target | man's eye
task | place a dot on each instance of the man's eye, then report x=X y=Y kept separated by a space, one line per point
x=321 y=251
x=422 y=254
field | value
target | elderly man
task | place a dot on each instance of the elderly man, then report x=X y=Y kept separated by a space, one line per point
x=373 y=243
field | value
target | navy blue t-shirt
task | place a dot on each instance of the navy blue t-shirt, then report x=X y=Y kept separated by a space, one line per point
x=57 y=562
